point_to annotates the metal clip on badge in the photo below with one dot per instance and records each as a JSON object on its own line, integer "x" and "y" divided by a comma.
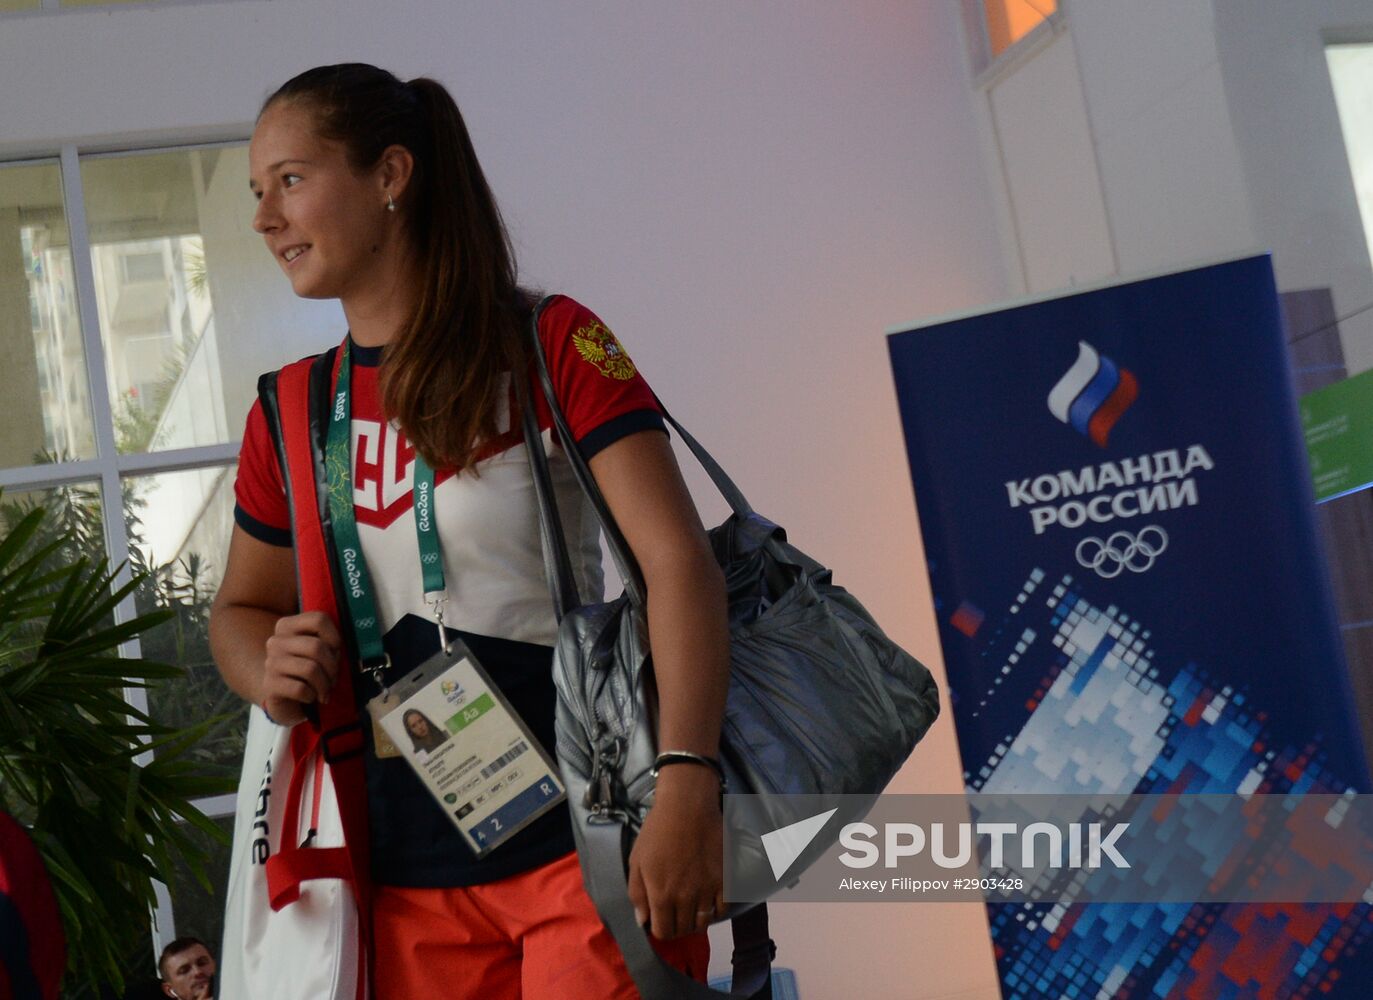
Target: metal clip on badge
{"x": 437, "y": 601}
{"x": 377, "y": 669}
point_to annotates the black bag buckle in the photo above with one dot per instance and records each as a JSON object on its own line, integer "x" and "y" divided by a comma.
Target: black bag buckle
{"x": 332, "y": 753}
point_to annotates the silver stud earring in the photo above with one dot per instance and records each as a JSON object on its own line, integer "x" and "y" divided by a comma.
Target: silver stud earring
{"x": 390, "y": 203}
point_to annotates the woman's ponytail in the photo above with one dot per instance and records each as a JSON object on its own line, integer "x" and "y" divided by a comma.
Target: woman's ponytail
{"x": 442, "y": 377}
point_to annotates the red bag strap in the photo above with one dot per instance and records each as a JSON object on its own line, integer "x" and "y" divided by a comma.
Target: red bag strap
{"x": 304, "y": 743}
{"x": 339, "y": 733}
{"x": 293, "y": 864}
{"x": 305, "y": 747}
{"x": 287, "y": 869}
{"x": 318, "y": 786}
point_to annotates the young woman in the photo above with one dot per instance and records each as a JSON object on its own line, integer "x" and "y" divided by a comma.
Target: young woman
{"x": 369, "y": 192}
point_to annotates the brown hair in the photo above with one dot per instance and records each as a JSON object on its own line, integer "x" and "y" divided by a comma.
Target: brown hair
{"x": 176, "y": 948}
{"x": 433, "y": 738}
{"x": 442, "y": 377}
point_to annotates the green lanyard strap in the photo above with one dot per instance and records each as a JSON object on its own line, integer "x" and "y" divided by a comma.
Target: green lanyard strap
{"x": 357, "y": 581}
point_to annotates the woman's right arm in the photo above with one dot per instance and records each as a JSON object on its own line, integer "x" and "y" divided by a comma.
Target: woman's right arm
{"x": 266, "y": 652}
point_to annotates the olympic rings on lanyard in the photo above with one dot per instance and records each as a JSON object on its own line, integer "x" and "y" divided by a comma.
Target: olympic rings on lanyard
{"x": 1122, "y": 551}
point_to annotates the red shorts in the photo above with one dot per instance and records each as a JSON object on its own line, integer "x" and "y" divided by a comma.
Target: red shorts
{"x": 533, "y": 936}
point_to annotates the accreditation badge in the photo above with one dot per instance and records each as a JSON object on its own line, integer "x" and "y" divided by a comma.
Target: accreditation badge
{"x": 471, "y": 750}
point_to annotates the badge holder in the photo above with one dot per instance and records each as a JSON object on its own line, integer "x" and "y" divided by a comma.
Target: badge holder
{"x": 472, "y": 751}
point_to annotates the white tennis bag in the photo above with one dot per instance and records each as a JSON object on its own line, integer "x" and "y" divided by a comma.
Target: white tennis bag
{"x": 309, "y": 947}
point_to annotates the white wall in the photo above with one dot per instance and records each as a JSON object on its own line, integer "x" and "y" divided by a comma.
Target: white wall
{"x": 748, "y": 193}
{"x": 1170, "y": 168}
{"x": 1287, "y": 129}
{"x": 1040, "y": 121}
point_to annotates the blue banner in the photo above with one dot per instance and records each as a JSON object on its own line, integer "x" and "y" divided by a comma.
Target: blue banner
{"x": 1119, "y": 528}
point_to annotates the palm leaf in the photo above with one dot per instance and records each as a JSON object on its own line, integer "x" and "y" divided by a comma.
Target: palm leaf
{"x": 106, "y": 788}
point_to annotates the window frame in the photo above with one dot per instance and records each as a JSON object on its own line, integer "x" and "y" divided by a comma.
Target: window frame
{"x": 49, "y": 7}
{"x": 986, "y": 69}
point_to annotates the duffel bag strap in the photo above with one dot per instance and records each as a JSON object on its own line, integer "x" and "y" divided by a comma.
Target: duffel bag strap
{"x": 603, "y": 869}
{"x": 562, "y": 583}
{"x": 620, "y": 552}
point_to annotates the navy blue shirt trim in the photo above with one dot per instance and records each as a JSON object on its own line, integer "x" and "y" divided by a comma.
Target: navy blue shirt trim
{"x": 364, "y": 357}
{"x": 615, "y": 428}
{"x": 262, "y": 532}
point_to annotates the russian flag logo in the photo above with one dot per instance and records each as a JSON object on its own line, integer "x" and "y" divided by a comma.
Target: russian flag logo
{"x": 1093, "y": 395}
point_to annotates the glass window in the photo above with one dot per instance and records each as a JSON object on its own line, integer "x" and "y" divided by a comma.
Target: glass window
{"x": 1008, "y": 21}
{"x": 179, "y": 525}
{"x": 191, "y": 304}
{"x": 1351, "y": 74}
{"x": 198, "y": 913}
{"x": 47, "y": 404}
{"x": 73, "y": 517}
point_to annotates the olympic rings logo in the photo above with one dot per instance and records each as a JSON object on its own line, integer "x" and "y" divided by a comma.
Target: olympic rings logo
{"x": 1123, "y": 551}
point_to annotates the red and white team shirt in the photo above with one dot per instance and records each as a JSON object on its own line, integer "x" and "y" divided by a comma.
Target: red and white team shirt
{"x": 488, "y": 525}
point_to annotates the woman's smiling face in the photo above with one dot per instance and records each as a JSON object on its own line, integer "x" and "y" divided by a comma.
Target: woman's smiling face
{"x": 319, "y": 217}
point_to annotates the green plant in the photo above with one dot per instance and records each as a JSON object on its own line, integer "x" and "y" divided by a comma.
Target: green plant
{"x": 197, "y": 273}
{"x": 136, "y": 419}
{"x": 185, "y": 587}
{"x": 134, "y": 423}
{"x": 106, "y": 790}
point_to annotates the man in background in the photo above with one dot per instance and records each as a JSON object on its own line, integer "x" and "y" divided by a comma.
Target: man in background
{"x": 188, "y": 970}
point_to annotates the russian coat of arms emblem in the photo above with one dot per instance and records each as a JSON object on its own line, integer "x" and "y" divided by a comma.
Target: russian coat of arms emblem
{"x": 598, "y": 346}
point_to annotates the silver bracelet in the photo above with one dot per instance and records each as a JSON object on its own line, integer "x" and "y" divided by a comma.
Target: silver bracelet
{"x": 687, "y": 757}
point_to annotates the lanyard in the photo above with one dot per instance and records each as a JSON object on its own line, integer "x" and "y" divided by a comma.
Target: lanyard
{"x": 357, "y": 581}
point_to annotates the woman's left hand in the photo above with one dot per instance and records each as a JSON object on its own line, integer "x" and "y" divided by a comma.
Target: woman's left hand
{"x": 676, "y": 868}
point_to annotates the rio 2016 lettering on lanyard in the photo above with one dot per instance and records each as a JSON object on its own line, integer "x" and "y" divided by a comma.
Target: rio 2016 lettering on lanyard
{"x": 338, "y": 462}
